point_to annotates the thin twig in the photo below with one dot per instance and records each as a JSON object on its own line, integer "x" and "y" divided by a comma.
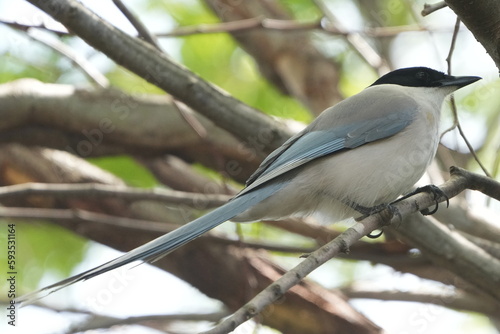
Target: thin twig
{"x": 496, "y": 163}
{"x": 283, "y": 26}
{"x": 459, "y": 300}
{"x": 192, "y": 121}
{"x": 95, "y": 190}
{"x": 360, "y": 45}
{"x": 100, "y": 322}
{"x": 242, "y": 25}
{"x": 429, "y": 9}
{"x": 448, "y": 62}
{"x": 96, "y": 321}
{"x": 68, "y": 215}
{"x": 464, "y": 137}
{"x": 449, "y": 129}
{"x": 138, "y": 25}
{"x": 88, "y": 69}
{"x": 248, "y": 25}
{"x": 26, "y": 27}
{"x": 456, "y": 121}
{"x": 453, "y": 43}
{"x": 202, "y": 132}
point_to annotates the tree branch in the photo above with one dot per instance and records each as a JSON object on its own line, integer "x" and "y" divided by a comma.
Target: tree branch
{"x": 95, "y": 321}
{"x": 429, "y": 9}
{"x": 81, "y": 62}
{"x": 84, "y": 216}
{"x": 357, "y": 42}
{"x": 153, "y": 321}
{"x": 484, "y": 269}
{"x": 88, "y": 122}
{"x": 483, "y": 20}
{"x": 41, "y": 26}
{"x": 290, "y": 61}
{"x": 96, "y": 190}
{"x": 138, "y": 25}
{"x": 259, "y": 22}
{"x": 155, "y": 67}
{"x": 376, "y": 253}
{"x": 265, "y": 23}
{"x": 458, "y": 300}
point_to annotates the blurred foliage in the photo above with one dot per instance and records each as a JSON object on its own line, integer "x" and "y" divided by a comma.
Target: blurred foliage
{"x": 185, "y": 12}
{"x": 266, "y": 233}
{"x": 41, "y": 249}
{"x": 395, "y": 12}
{"x": 127, "y": 169}
{"x": 12, "y": 67}
{"x": 302, "y": 10}
{"x": 217, "y": 58}
{"x": 130, "y": 83}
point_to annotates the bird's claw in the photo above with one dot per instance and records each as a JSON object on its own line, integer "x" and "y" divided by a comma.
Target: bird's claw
{"x": 432, "y": 189}
{"x": 371, "y": 235}
{"x": 437, "y": 194}
{"x": 376, "y": 209}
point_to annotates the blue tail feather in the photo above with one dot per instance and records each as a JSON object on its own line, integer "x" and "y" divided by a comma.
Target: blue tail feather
{"x": 167, "y": 243}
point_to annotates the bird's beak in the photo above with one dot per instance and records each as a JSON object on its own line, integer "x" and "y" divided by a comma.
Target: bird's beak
{"x": 458, "y": 81}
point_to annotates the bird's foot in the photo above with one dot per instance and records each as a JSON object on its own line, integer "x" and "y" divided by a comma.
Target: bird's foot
{"x": 368, "y": 211}
{"x": 432, "y": 189}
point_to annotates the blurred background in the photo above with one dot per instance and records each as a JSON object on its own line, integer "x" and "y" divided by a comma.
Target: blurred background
{"x": 98, "y": 122}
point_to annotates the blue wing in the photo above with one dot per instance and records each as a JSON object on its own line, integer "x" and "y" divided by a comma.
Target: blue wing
{"x": 307, "y": 146}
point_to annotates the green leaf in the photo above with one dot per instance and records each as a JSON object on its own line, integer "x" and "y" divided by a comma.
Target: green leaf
{"x": 127, "y": 169}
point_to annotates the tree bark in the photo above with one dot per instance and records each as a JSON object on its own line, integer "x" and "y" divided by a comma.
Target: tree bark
{"x": 482, "y": 17}
{"x": 258, "y": 131}
{"x": 103, "y": 122}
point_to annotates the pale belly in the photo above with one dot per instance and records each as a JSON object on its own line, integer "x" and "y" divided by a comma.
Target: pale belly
{"x": 372, "y": 174}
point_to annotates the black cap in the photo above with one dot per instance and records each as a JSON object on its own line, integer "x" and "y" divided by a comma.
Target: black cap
{"x": 423, "y": 77}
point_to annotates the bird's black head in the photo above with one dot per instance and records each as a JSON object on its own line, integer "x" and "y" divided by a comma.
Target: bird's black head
{"x": 423, "y": 77}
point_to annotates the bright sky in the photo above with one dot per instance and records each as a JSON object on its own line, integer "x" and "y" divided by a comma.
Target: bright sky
{"x": 145, "y": 290}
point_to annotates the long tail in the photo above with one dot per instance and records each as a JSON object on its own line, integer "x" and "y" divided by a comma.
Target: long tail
{"x": 167, "y": 243}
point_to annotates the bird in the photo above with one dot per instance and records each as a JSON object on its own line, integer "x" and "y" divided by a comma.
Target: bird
{"x": 363, "y": 152}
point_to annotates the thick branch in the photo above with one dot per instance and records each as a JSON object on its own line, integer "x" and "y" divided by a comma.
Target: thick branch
{"x": 482, "y": 17}
{"x": 254, "y": 128}
{"x": 89, "y": 122}
{"x": 448, "y": 248}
